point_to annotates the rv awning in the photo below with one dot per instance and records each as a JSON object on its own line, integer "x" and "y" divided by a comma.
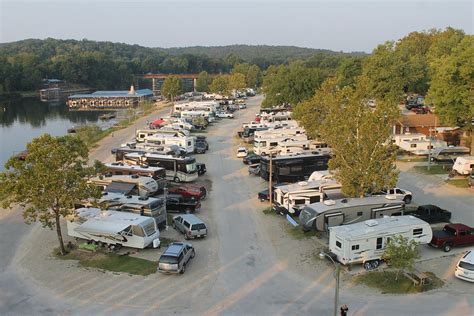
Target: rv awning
{"x": 120, "y": 187}
{"x": 99, "y": 227}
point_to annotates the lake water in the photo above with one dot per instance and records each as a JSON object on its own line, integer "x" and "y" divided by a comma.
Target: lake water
{"x": 21, "y": 120}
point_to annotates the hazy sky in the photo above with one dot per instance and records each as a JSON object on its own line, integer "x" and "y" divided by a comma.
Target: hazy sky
{"x": 336, "y": 25}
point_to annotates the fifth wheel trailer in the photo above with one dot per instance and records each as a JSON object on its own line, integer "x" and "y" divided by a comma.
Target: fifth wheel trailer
{"x": 365, "y": 242}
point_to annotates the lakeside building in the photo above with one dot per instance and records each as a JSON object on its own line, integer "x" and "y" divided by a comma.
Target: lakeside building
{"x": 107, "y": 100}
{"x": 55, "y": 89}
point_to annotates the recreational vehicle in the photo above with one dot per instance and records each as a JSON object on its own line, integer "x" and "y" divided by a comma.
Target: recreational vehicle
{"x": 120, "y": 168}
{"x": 291, "y": 198}
{"x": 148, "y": 148}
{"x": 186, "y": 142}
{"x": 365, "y": 242}
{"x": 321, "y": 216}
{"x": 279, "y": 132}
{"x": 449, "y": 154}
{"x": 293, "y": 168}
{"x": 263, "y": 146}
{"x": 114, "y": 228}
{"x": 146, "y": 185}
{"x": 399, "y": 138}
{"x": 178, "y": 169}
{"x": 464, "y": 165}
{"x": 142, "y": 134}
{"x": 207, "y": 106}
{"x": 421, "y": 147}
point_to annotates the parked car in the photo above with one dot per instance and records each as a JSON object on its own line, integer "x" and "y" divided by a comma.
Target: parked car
{"x": 201, "y": 168}
{"x": 430, "y": 213}
{"x": 401, "y": 194}
{"x": 189, "y": 190}
{"x": 465, "y": 267}
{"x": 200, "y": 148}
{"x": 190, "y": 225}
{"x": 263, "y": 195}
{"x": 224, "y": 115}
{"x": 241, "y": 152}
{"x": 202, "y": 139}
{"x": 176, "y": 203}
{"x": 453, "y": 235}
{"x": 175, "y": 258}
{"x": 251, "y": 159}
{"x": 242, "y": 106}
{"x": 254, "y": 169}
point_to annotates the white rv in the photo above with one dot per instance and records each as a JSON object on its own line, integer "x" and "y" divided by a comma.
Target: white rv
{"x": 280, "y": 132}
{"x": 208, "y": 106}
{"x": 291, "y": 198}
{"x": 321, "y": 216}
{"x": 464, "y": 165}
{"x": 421, "y": 147}
{"x": 263, "y": 146}
{"x": 146, "y": 185}
{"x": 114, "y": 228}
{"x": 166, "y": 139}
{"x": 142, "y": 134}
{"x": 291, "y": 146}
{"x": 399, "y": 138}
{"x": 365, "y": 242}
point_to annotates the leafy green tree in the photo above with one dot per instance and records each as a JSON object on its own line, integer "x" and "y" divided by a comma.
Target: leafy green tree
{"x": 171, "y": 88}
{"x": 348, "y": 71}
{"x": 236, "y": 82}
{"x": 203, "y": 81}
{"x": 52, "y": 177}
{"x": 362, "y": 161}
{"x": 400, "y": 254}
{"x": 252, "y": 74}
{"x": 220, "y": 85}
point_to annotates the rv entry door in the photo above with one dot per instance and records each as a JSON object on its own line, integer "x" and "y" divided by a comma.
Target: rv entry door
{"x": 334, "y": 219}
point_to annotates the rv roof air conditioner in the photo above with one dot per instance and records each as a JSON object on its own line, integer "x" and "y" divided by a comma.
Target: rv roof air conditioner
{"x": 303, "y": 183}
{"x": 371, "y": 223}
{"x": 329, "y": 202}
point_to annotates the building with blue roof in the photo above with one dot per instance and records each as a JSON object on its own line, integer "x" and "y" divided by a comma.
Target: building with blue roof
{"x": 107, "y": 100}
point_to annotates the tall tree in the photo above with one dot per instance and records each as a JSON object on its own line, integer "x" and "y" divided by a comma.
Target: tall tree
{"x": 171, "y": 88}
{"x": 203, "y": 81}
{"x": 401, "y": 253}
{"x": 49, "y": 180}
{"x": 252, "y": 74}
{"x": 362, "y": 161}
{"x": 236, "y": 82}
{"x": 220, "y": 85}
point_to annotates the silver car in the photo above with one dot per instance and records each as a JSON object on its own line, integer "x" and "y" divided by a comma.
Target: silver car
{"x": 190, "y": 225}
{"x": 176, "y": 257}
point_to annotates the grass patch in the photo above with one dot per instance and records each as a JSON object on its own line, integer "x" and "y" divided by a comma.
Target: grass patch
{"x": 269, "y": 211}
{"x": 434, "y": 169}
{"x": 91, "y": 134}
{"x": 297, "y": 233}
{"x": 110, "y": 262}
{"x": 385, "y": 282}
{"x": 460, "y": 183}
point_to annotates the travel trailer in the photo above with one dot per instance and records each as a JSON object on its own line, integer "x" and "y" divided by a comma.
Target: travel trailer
{"x": 279, "y": 132}
{"x": 146, "y": 185}
{"x": 120, "y": 168}
{"x": 421, "y": 147}
{"x": 208, "y": 106}
{"x": 293, "y": 168}
{"x": 449, "y": 154}
{"x": 464, "y": 165}
{"x": 399, "y": 138}
{"x": 291, "y": 198}
{"x": 263, "y": 146}
{"x": 114, "y": 228}
{"x": 142, "y": 134}
{"x": 321, "y": 216}
{"x": 186, "y": 142}
{"x": 178, "y": 169}
{"x": 365, "y": 242}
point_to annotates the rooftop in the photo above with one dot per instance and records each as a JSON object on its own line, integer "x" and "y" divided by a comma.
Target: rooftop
{"x": 114, "y": 94}
{"x": 425, "y": 120}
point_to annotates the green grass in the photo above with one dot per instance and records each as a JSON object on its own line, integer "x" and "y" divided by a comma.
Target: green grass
{"x": 460, "y": 183}
{"x": 434, "y": 169}
{"x": 269, "y": 211}
{"x": 110, "y": 262}
{"x": 385, "y": 282}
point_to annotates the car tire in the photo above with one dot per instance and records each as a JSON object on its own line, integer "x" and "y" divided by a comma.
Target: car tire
{"x": 183, "y": 269}
{"x": 407, "y": 199}
{"x": 193, "y": 254}
{"x": 447, "y": 247}
{"x": 177, "y": 180}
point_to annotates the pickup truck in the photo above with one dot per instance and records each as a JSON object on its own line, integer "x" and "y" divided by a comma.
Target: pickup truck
{"x": 453, "y": 235}
{"x": 178, "y": 204}
{"x": 430, "y": 214}
{"x": 189, "y": 191}
{"x": 401, "y": 194}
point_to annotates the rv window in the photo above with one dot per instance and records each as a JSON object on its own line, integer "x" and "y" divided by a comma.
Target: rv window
{"x": 417, "y": 231}
{"x": 355, "y": 247}
{"x": 314, "y": 199}
{"x": 360, "y": 213}
{"x": 296, "y": 168}
{"x": 284, "y": 170}
{"x": 379, "y": 243}
{"x": 338, "y": 244}
{"x": 413, "y": 145}
{"x": 299, "y": 201}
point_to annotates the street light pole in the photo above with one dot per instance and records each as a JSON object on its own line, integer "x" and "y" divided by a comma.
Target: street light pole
{"x": 270, "y": 178}
{"x": 337, "y": 272}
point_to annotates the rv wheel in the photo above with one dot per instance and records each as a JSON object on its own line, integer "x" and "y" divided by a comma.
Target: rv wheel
{"x": 367, "y": 266}
{"x": 375, "y": 264}
{"x": 176, "y": 179}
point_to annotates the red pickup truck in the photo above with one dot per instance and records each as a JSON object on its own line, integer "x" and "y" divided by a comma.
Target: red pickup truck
{"x": 453, "y": 235}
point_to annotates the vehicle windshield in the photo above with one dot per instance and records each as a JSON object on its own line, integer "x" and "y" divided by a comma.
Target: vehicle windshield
{"x": 466, "y": 265}
{"x": 169, "y": 259}
{"x": 191, "y": 167}
{"x": 450, "y": 231}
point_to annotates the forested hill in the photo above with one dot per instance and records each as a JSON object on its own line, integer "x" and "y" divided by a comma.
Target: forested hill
{"x": 107, "y": 65}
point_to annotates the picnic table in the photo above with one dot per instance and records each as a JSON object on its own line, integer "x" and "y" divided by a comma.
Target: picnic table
{"x": 418, "y": 278}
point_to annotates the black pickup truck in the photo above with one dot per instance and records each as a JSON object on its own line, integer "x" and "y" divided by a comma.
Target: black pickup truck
{"x": 430, "y": 214}
{"x": 176, "y": 203}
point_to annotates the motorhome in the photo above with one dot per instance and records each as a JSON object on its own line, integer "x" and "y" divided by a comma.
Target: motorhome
{"x": 321, "y": 216}
{"x": 399, "y": 138}
{"x": 291, "y": 146}
{"x": 142, "y": 134}
{"x": 186, "y": 142}
{"x": 248, "y": 134}
{"x": 275, "y": 117}
{"x": 209, "y": 116}
{"x": 293, "y": 168}
{"x": 208, "y": 106}
{"x": 365, "y": 242}
{"x": 464, "y": 165}
{"x": 263, "y": 146}
{"x": 114, "y": 228}
{"x": 279, "y": 132}
{"x": 150, "y": 206}
{"x": 146, "y": 185}
{"x": 421, "y": 147}
{"x": 120, "y": 168}
{"x": 178, "y": 169}
{"x": 449, "y": 154}
{"x": 146, "y": 148}
{"x": 291, "y": 198}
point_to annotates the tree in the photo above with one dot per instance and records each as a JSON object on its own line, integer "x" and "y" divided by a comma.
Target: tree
{"x": 362, "y": 161}
{"x": 220, "y": 85}
{"x": 49, "y": 180}
{"x": 172, "y": 87}
{"x": 203, "y": 81}
{"x": 252, "y": 74}
{"x": 236, "y": 82}
{"x": 400, "y": 253}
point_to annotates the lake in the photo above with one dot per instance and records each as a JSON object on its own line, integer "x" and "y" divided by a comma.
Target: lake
{"x": 23, "y": 119}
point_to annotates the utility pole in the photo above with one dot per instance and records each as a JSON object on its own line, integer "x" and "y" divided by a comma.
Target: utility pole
{"x": 270, "y": 193}
{"x": 429, "y": 152}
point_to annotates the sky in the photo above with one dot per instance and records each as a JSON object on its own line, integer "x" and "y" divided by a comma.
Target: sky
{"x": 339, "y": 25}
